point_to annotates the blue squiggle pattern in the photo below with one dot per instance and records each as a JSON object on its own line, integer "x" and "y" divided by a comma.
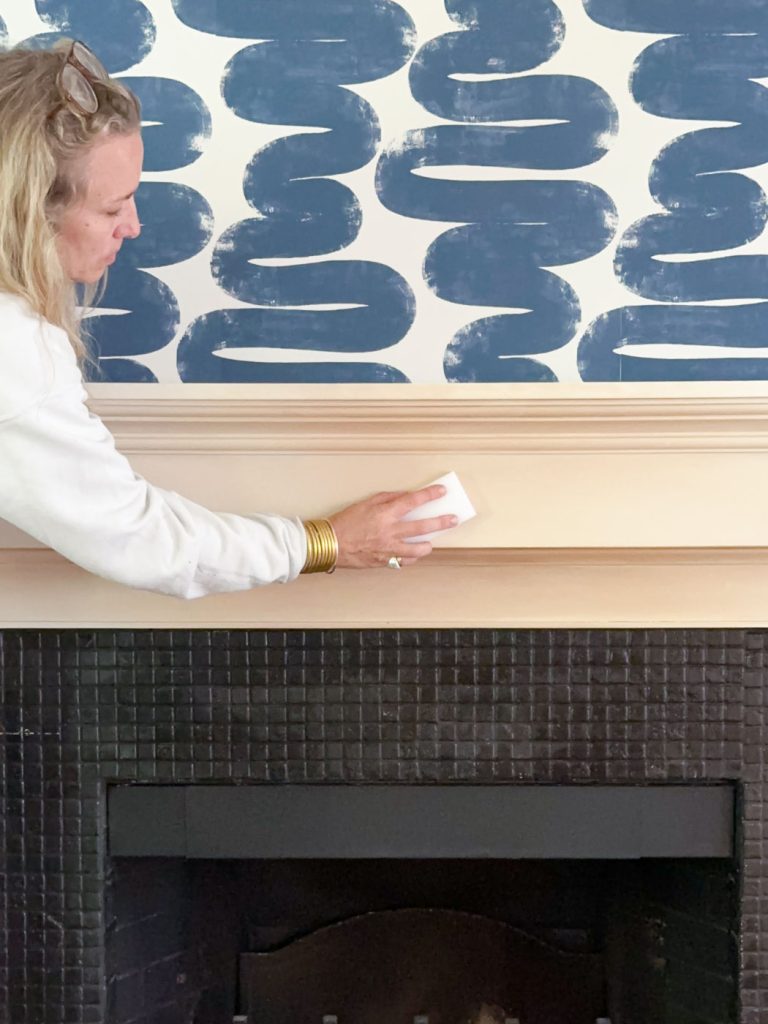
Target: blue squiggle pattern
{"x": 378, "y": 27}
{"x": 96, "y": 22}
{"x": 178, "y": 225}
{"x": 517, "y": 227}
{"x": 183, "y": 123}
{"x": 702, "y": 74}
{"x": 679, "y": 18}
{"x": 325, "y": 318}
{"x": 297, "y": 77}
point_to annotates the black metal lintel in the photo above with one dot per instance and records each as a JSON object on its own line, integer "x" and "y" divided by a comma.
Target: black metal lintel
{"x": 421, "y": 821}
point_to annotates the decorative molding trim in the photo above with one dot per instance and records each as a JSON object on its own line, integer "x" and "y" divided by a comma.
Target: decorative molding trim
{"x": 474, "y": 418}
{"x": 498, "y": 558}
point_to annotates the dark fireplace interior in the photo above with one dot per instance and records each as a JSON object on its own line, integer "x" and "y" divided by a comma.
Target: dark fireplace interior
{"x": 634, "y": 942}
{"x": 194, "y": 932}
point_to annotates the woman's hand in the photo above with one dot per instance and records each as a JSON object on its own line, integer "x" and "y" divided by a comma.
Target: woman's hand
{"x": 371, "y": 532}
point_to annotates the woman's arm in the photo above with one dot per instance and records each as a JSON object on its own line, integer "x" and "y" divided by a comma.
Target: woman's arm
{"x": 64, "y": 483}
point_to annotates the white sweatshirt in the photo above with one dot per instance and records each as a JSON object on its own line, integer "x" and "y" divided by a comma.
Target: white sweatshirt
{"x": 63, "y": 482}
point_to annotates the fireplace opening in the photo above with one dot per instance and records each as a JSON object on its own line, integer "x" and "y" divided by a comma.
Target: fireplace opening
{"x": 367, "y": 904}
{"x": 303, "y": 941}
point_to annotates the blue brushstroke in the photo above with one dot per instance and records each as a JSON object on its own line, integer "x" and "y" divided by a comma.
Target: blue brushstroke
{"x": 380, "y": 29}
{"x": 600, "y": 350}
{"x": 679, "y": 17}
{"x": 298, "y": 76}
{"x": 368, "y": 286}
{"x": 512, "y": 229}
{"x": 122, "y": 371}
{"x": 703, "y": 74}
{"x": 184, "y": 123}
{"x": 493, "y": 38}
{"x": 178, "y": 224}
{"x": 149, "y": 323}
{"x": 226, "y": 330}
{"x": 121, "y": 32}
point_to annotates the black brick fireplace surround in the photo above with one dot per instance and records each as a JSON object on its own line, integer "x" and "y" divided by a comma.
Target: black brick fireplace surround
{"x": 81, "y": 710}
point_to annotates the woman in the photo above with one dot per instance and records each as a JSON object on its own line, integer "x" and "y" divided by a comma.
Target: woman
{"x": 70, "y": 163}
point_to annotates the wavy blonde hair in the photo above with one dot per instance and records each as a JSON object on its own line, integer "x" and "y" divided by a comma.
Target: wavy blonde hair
{"x": 43, "y": 142}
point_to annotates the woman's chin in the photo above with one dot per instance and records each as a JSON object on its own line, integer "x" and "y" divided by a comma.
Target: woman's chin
{"x": 90, "y": 277}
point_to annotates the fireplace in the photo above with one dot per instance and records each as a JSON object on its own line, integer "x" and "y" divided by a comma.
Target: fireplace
{"x": 95, "y": 933}
{"x": 386, "y": 940}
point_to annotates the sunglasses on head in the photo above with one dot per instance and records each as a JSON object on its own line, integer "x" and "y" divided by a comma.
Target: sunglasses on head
{"x": 78, "y": 73}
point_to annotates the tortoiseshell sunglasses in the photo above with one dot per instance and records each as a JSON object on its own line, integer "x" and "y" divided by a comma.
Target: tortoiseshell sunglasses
{"x": 81, "y": 68}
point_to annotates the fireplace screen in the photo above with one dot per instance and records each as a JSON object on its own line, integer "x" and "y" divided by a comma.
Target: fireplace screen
{"x": 421, "y": 942}
{"x": 440, "y": 966}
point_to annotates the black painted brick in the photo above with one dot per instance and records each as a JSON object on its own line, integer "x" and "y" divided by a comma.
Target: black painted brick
{"x": 81, "y": 708}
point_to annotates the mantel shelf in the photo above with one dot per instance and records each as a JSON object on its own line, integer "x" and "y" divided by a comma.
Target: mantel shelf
{"x": 598, "y": 505}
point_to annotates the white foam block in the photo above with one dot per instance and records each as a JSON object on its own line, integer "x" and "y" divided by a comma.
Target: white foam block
{"x": 455, "y": 502}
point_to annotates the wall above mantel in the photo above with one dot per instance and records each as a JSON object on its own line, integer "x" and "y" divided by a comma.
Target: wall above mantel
{"x": 598, "y": 505}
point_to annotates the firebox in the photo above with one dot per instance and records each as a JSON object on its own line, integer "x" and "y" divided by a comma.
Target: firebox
{"x": 359, "y": 826}
{"x": 556, "y": 905}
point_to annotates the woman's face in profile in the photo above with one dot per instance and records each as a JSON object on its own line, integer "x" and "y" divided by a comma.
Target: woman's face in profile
{"x": 92, "y": 230}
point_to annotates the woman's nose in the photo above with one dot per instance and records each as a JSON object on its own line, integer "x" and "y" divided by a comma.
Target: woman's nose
{"x": 130, "y": 227}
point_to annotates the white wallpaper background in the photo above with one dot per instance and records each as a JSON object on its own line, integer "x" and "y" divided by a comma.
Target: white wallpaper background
{"x": 524, "y": 190}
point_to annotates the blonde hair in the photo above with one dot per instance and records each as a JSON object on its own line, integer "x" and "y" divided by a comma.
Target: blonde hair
{"x": 42, "y": 142}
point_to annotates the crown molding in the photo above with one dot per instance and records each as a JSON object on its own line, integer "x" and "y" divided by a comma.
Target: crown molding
{"x": 448, "y": 418}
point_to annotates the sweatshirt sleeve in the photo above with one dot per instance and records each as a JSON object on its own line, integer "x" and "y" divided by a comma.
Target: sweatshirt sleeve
{"x": 63, "y": 482}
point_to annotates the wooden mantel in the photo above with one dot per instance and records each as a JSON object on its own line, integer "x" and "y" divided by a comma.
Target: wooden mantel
{"x": 599, "y": 505}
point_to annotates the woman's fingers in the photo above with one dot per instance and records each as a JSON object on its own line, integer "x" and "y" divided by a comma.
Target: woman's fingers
{"x": 411, "y": 552}
{"x": 418, "y": 527}
{"x": 405, "y": 503}
{"x": 384, "y": 496}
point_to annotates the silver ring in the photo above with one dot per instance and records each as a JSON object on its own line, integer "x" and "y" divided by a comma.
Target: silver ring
{"x": 395, "y": 563}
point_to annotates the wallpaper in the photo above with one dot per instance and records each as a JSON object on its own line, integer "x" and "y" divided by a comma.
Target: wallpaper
{"x": 436, "y": 190}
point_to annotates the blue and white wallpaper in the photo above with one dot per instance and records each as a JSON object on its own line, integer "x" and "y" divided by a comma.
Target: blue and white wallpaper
{"x": 436, "y": 190}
